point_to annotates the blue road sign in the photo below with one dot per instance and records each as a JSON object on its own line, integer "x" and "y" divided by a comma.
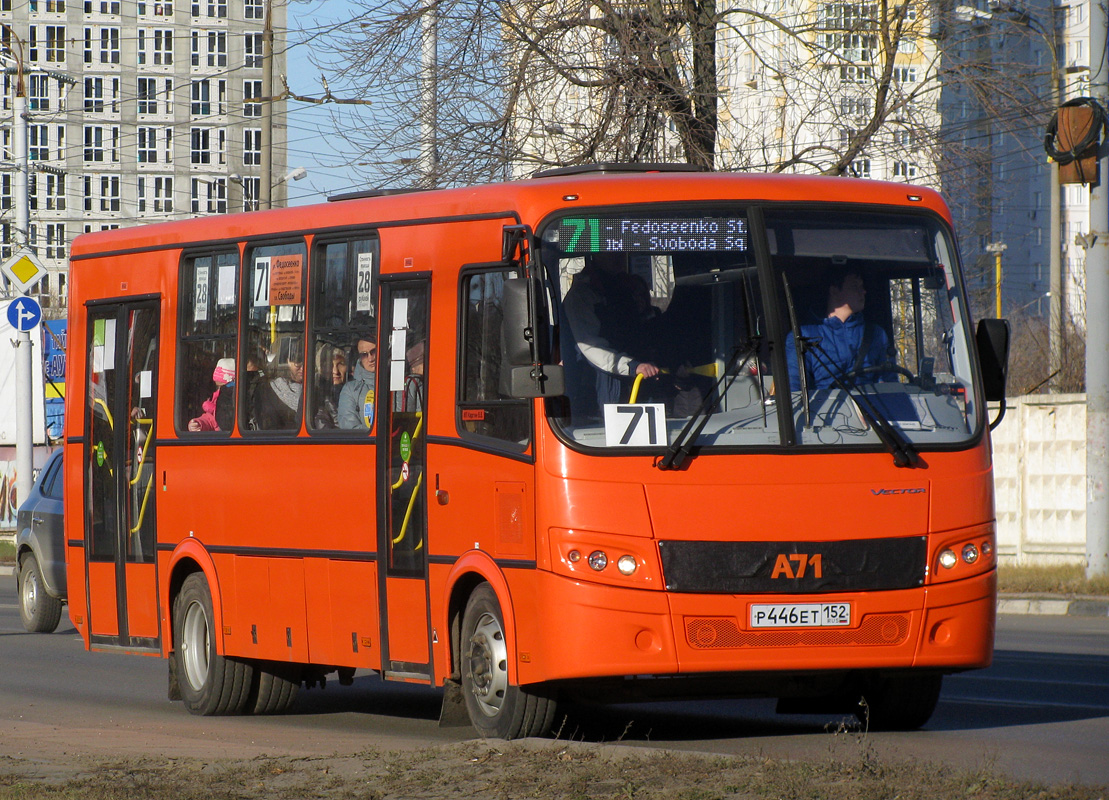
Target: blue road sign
{"x": 24, "y": 313}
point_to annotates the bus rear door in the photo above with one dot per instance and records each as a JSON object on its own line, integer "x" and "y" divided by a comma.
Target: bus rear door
{"x": 119, "y": 471}
{"x": 402, "y": 448}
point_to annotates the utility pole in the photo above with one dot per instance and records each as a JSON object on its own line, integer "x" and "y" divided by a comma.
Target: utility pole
{"x": 429, "y": 101}
{"x": 24, "y": 421}
{"x": 1055, "y": 255}
{"x": 1097, "y": 322}
{"x": 266, "y": 189}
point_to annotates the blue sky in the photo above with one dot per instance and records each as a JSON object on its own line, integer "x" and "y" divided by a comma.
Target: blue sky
{"x": 313, "y": 141}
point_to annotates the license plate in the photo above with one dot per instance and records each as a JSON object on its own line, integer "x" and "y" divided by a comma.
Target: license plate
{"x": 800, "y": 615}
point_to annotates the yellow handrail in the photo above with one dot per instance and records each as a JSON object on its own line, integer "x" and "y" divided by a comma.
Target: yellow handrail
{"x": 635, "y": 388}
{"x": 145, "y": 447}
{"x": 711, "y": 370}
{"x": 142, "y": 508}
{"x": 408, "y": 512}
{"x": 107, "y": 411}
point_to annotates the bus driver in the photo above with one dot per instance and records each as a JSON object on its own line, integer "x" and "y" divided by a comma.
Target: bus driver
{"x": 844, "y": 343}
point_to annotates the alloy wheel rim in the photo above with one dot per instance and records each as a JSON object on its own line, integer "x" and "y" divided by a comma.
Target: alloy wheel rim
{"x": 195, "y": 645}
{"x": 488, "y": 664}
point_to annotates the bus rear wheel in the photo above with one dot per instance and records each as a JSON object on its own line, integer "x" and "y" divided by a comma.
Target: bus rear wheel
{"x": 899, "y": 702}
{"x": 275, "y": 687}
{"x": 497, "y": 708}
{"x": 210, "y": 684}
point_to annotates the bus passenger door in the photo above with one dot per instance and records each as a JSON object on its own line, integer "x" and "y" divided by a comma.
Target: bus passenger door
{"x": 119, "y": 471}
{"x": 402, "y": 448}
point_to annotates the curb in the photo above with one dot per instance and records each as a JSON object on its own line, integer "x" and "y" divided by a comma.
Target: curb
{"x": 1053, "y": 606}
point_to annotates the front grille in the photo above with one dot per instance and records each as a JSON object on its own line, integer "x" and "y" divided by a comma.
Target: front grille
{"x": 794, "y": 567}
{"x": 722, "y": 633}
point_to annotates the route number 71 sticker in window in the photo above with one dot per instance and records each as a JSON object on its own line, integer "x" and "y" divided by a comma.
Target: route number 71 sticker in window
{"x": 635, "y": 425}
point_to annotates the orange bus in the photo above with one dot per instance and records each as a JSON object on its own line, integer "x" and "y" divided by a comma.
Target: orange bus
{"x": 539, "y": 440}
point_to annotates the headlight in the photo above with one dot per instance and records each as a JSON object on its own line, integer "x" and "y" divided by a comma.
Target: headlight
{"x": 948, "y": 559}
{"x": 626, "y": 565}
{"x": 598, "y": 560}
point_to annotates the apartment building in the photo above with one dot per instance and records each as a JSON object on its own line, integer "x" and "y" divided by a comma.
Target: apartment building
{"x": 137, "y": 111}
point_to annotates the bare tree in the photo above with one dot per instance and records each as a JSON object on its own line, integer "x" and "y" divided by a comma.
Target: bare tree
{"x": 768, "y": 86}
{"x": 924, "y": 91}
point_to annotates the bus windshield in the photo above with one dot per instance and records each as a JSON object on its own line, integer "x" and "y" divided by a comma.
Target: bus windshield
{"x": 850, "y": 330}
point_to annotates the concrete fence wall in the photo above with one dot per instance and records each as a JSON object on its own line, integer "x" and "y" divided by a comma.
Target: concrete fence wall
{"x": 1040, "y": 480}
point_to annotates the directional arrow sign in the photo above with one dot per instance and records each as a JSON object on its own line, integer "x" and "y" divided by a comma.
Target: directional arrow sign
{"x": 24, "y": 270}
{"x": 24, "y": 313}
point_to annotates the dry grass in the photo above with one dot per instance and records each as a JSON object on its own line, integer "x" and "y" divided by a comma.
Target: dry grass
{"x": 548, "y": 770}
{"x": 1061, "y": 579}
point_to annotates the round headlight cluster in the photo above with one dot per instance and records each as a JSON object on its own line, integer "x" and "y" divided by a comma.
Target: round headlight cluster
{"x": 598, "y": 561}
{"x": 970, "y": 554}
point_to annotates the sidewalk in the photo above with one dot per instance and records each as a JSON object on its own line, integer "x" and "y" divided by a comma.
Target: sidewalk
{"x": 1053, "y": 605}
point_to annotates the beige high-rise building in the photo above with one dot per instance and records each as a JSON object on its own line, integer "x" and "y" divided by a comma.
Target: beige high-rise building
{"x": 137, "y": 111}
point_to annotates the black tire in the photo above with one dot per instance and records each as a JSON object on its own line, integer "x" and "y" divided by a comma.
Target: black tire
{"x": 210, "y": 684}
{"x": 899, "y": 702}
{"x": 41, "y": 612}
{"x": 274, "y": 688}
{"x": 498, "y": 709}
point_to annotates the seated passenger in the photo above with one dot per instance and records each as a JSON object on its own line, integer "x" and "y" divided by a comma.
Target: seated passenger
{"x": 356, "y": 400}
{"x": 331, "y": 375}
{"x": 844, "y": 344}
{"x": 223, "y": 375}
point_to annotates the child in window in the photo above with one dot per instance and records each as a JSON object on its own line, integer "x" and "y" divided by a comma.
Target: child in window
{"x": 223, "y": 374}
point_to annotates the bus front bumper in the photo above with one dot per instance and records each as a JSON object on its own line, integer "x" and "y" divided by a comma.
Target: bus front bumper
{"x": 589, "y": 630}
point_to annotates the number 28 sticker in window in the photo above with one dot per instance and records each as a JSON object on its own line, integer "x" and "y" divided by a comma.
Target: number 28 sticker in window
{"x": 635, "y": 425}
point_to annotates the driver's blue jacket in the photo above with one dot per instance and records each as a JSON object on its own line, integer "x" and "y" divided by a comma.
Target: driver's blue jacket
{"x": 838, "y": 346}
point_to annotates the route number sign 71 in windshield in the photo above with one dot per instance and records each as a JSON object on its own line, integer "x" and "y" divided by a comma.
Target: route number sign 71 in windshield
{"x": 635, "y": 425}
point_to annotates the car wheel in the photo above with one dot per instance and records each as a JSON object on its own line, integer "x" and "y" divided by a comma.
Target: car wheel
{"x": 497, "y": 708}
{"x": 209, "y": 683}
{"x": 41, "y": 611}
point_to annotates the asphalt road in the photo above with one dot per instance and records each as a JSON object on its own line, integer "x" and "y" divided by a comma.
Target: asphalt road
{"x": 1040, "y": 712}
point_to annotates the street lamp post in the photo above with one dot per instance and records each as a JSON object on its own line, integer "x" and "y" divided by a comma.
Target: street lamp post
{"x": 997, "y": 248}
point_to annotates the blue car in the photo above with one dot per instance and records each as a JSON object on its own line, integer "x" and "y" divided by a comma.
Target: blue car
{"x": 40, "y": 551}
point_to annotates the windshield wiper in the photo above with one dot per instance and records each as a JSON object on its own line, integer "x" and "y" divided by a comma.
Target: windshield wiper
{"x": 902, "y": 450}
{"x": 679, "y": 449}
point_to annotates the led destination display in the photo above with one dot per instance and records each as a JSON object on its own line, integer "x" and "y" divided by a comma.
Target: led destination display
{"x": 651, "y": 235}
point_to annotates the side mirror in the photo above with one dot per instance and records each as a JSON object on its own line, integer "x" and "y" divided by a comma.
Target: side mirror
{"x": 524, "y": 341}
{"x": 992, "y": 339}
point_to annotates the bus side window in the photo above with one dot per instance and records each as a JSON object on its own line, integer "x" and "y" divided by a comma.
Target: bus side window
{"x": 275, "y": 326}
{"x": 207, "y": 339}
{"x": 343, "y": 336}
{"x": 484, "y": 406}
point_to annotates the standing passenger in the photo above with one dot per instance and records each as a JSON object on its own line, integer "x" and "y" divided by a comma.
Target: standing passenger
{"x": 278, "y": 400}
{"x": 604, "y": 326}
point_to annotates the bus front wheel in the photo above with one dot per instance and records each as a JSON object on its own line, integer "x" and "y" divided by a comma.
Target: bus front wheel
{"x": 497, "y": 708}
{"x": 899, "y": 702}
{"x": 210, "y": 684}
